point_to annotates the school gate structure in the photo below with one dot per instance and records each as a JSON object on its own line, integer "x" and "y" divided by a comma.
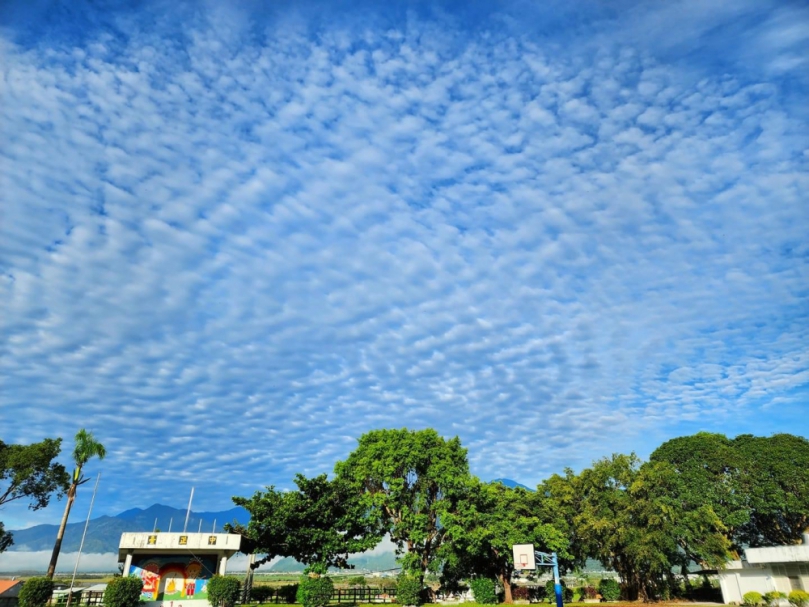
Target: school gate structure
{"x": 175, "y": 567}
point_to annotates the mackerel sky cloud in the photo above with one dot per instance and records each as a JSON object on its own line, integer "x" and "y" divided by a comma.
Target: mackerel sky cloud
{"x": 234, "y": 239}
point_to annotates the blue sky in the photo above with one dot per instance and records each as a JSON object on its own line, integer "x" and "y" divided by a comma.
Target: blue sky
{"x": 234, "y": 238}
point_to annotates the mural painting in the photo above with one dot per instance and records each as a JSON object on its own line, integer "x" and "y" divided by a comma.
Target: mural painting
{"x": 173, "y": 578}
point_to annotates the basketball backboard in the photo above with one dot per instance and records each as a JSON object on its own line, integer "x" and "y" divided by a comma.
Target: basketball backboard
{"x": 524, "y": 557}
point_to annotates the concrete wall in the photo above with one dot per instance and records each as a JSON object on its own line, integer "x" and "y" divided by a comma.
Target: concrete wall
{"x": 738, "y": 579}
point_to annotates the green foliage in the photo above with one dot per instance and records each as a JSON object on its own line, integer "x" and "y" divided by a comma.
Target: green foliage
{"x": 223, "y": 590}
{"x": 609, "y": 589}
{"x": 408, "y": 480}
{"x": 777, "y": 487}
{"x": 356, "y": 580}
{"x": 408, "y": 590}
{"x": 36, "y": 592}
{"x": 488, "y": 520}
{"x": 319, "y": 524}
{"x": 484, "y": 590}
{"x": 752, "y": 598}
{"x": 772, "y": 598}
{"x": 123, "y": 592}
{"x": 260, "y": 594}
{"x": 799, "y": 598}
{"x": 287, "y": 593}
{"x": 314, "y": 590}
{"x": 28, "y": 472}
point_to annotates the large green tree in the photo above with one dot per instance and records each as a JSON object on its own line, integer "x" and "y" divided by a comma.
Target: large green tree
{"x": 85, "y": 448}
{"x": 777, "y": 485}
{"x": 28, "y": 472}
{"x": 485, "y": 525}
{"x": 319, "y": 525}
{"x": 634, "y": 519}
{"x": 408, "y": 480}
{"x": 712, "y": 471}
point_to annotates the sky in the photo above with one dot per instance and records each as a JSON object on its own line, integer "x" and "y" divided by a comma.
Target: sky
{"x": 236, "y": 236}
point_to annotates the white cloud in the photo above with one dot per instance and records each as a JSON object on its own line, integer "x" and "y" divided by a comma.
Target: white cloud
{"x": 230, "y": 259}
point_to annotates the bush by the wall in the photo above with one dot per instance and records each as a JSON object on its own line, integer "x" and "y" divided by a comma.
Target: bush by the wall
{"x": 36, "y": 592}
{"x": 589, "y": 592}
{"x": 609, "y": 589}
{"x": 315, "y": 591}
{"x": 752, "y": 598}
{"x": 484, "y": 590}
{"x": 223, "y": 590}
{"x": 259, "y": 594}
{"x": 799, "y": 598}
{"x": 520, "y": 593}
{"x": 408, "y": 590}
{"x": 772, "y": 598}
{"x": 123, "y": 592}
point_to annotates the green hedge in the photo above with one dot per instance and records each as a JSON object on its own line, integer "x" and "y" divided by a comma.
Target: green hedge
{"x": 408, "y": 591}
{"x": 36, "y": 592}
{"x": 315, "y": 591}
{"x": 609, "y": 589}
{"x": 484, "y": 590}
{"x": 223, "y": 590}
{"x": 123, "y": 592}
{"x": 752, "y": 598}
{"x": 799, "y": 598}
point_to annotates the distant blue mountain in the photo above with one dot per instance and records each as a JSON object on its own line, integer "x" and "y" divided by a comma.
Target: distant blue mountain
{"x": 104, "y": 532}
{"x": 510, "y": 483}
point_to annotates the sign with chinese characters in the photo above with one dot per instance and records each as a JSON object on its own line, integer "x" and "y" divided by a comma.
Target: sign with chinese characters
{"x": 212, "y": 540}
{"x": 183, "y": 540}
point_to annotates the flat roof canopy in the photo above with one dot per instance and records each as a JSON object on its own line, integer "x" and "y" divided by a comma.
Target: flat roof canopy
{"x": 225, "y": 544}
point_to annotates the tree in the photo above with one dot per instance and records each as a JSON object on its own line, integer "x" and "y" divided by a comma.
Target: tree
{"x": 85, "y": 448}
{"x": 29, "y": 472}
{"x": 712, "y": 471}
{"x": 777, "y": 486}
{"x": 318, "y": 525}
{"x": 485, "y": 525}
{"x": 407, "y": 481}
{"x": 634, "y": 519}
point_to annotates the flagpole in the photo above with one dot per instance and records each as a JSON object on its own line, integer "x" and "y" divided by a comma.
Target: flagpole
{"x": 188, "y": 512}
{"x": 81, "y": 545}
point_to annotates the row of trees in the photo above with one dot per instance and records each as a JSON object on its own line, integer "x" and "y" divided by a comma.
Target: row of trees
{"x": 698, "y": 500}
{"x": 30, "y": 473}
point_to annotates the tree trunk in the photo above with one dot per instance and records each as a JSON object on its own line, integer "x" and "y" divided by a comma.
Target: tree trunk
{"x": 505, "y": 582}
{"x": 71, "y": 496}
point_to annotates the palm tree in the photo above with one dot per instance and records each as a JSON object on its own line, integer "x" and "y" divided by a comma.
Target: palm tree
{"x": 86, "y": 447}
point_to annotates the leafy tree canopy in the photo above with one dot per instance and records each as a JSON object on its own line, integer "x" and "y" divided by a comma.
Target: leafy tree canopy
{"x": 484, "y": 527}
{"x": 408, "y": 480}
{"x": 319, "y": 525}
{"x": 28, "y": 472}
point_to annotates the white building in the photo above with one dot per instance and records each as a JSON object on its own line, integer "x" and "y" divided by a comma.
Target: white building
{"x": 781, "y": 568}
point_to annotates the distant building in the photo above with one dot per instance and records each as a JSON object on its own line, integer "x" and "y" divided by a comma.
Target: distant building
{"x": 778, "y": 568}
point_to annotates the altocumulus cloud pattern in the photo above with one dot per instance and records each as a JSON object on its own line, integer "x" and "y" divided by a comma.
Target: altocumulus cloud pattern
{"x": 233, "y": 241}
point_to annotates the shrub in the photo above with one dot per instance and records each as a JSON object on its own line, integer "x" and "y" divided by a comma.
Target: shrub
{"x": 589, "y": 592}
{"x": 550, "y": 592}
{"x": 123, "y": 592}
{"x": 259, "y": 594}
{"x": 799, "y": 598}
{"x": 773, "y": 597}
{"x": 223, "y": 590}
{"x": 287, "y": 593}
{"x": 315, "y": 591}
{"x": 609, "y": 589}
{"x": 408, "y": 590}
{"x": 36, "y": 592}
{"x": 752, "y": 598}
{"x": 484, "y": 590}
{"x": 520, "y": 593}
{"x": 536, "y": 593}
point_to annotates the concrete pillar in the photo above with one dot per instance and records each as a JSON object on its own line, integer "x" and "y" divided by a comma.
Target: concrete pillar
{"x": 223, "y": 565}
{"x": 127, "y": 564}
